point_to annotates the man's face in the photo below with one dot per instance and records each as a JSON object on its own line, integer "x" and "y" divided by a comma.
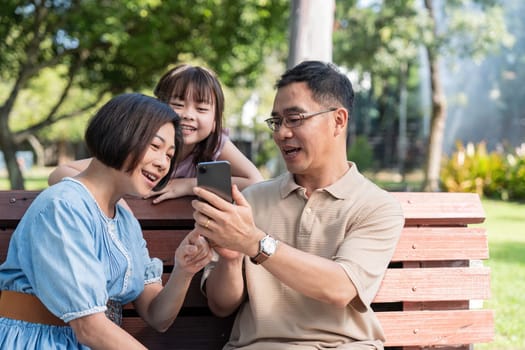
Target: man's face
{"x": 306, "y": 149}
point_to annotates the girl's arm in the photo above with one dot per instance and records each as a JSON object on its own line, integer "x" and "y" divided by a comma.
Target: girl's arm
{"x": 175, "y": 188}
{"x": 244, "y": 172}
{"x": 68, "y": 169}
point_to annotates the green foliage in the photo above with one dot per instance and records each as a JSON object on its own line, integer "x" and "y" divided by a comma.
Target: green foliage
{"x": 383, "y": 43}
{"x": 61, "y": 59}
{"x": 361, "y": 153}
{"x": 498, "y": 174}
{"x": 117, "y": 46}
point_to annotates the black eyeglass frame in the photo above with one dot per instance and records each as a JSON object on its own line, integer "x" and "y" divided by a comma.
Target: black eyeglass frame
{"x": 274, "y": 123}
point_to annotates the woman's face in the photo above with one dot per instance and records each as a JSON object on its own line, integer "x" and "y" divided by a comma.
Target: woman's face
{"x": 197, "y": 118}
{"x": 156, "y": 161}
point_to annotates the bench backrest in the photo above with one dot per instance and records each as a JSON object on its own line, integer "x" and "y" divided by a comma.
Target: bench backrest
{"x": 426, "y": 297}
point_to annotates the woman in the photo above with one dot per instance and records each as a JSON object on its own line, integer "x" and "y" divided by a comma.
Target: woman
{"x": 78, "y": 255}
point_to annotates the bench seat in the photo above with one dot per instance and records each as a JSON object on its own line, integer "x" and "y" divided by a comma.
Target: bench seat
{"x": 427, "y": 299}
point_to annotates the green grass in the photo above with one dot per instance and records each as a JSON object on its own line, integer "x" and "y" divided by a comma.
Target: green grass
{"x": 505, "y": 225}
{"x": 36, "y": 179}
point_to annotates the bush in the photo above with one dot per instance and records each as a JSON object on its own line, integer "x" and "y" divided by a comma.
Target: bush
{"x": 361, "y": 153}
{"x": 499, "y": 174}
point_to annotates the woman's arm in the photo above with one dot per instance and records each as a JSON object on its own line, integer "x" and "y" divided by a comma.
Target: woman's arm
{"x": 244, "y": 172}
{"x": 159, "y": 306}
{"x": 97, "y": 332}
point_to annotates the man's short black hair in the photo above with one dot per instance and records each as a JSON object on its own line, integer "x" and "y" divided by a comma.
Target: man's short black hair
{"x": 325, "y": 80}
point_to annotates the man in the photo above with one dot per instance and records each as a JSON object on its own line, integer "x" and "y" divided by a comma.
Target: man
{"x": 302, "y": 256}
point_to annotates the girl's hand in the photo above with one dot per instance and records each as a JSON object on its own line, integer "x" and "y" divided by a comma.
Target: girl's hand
{"x": 193, "y": 253}
{"x": 174, "y": 189}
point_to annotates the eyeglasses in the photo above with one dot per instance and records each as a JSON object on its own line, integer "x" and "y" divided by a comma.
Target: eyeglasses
{"x": 293, "y": 120}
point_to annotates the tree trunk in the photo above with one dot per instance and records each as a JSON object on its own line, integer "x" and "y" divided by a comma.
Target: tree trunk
{"x": 7, "y": 145}
{"x": 403, "y": 111}
{"x": 38, "y": 149}
{"x": 311, "y": 28}
{"x": 438, "y": 116}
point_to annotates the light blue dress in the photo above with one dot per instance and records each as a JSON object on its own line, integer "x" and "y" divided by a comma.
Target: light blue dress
{"x": 73, "y": 258}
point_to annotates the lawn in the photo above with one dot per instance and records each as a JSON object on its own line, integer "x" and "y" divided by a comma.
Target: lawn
{"x": 506, "y": 229}
{"x": 505, "y": 224}
{"x": 36, "y": 179}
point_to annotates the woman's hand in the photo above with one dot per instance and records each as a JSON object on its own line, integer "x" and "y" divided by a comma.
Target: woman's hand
{"x": 193, "y": 253}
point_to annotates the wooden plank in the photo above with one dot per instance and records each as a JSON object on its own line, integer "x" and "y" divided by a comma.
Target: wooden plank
{"x": 175, "y": 214}
{"x": 5, "y": 237}
{"x": 440, "y": 208}
{"x": 416, "y": 328}
{"x": 163, "y": 243}
{"x": 437, "y": 327}
{"x": 435, "y": 305}
{"x": 420, "y": 208}
{"x": 194, "y": 297}
{"x": 442, "y": 243}
{"x": 407, "y": 284}
{"x": 434, "y": 284}
{"x": 13, "y": 205}
{"x": 203, "y": 332}
{"x": 449, "y": 347}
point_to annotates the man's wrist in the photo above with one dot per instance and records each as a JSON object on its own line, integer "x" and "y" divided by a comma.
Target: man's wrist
{"x": 267, "y": 247}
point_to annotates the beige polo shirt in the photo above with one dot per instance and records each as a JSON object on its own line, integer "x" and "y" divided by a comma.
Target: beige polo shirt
{"x": 352, "y": 222}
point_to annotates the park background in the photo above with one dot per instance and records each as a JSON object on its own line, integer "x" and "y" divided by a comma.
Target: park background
{"x": 439, "y": 102}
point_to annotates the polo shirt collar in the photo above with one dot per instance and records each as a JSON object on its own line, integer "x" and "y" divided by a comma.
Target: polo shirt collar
{"x": 340, "y": 189}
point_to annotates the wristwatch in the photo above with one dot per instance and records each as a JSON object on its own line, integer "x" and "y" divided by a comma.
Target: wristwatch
{"x": 267, "y": 246}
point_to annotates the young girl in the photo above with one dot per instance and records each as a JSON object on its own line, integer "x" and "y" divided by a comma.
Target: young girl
{"x": 77, "y": 255}
{"x": 196, "y": 95}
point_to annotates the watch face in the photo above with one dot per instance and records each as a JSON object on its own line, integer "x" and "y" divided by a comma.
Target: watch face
{"x": 268, "y": 245}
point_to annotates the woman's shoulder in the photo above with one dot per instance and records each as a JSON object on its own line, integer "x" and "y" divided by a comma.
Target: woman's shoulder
{"x": 67, "y": 189}
{"x": 67, "y": 194}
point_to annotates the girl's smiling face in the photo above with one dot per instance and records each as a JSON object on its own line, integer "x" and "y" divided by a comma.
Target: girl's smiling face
{"x": 197, "y": 117}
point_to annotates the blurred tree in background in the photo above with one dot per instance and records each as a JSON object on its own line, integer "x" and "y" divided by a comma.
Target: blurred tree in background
{"x": 98, "y": 48}
{"x": 396, "y": 49}
{"x": 424, "y": 71}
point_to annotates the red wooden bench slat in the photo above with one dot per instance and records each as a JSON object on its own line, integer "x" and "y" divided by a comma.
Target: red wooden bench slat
{"x": 437, "y": 327}
{"x": 442, "y": 243}
{"x": 185, "y": 333}
{"x": 5, "y": 236}
{"x": 164, "y": 243}
{"x": 445, "y": 208}
{"x": 434, "y": 284}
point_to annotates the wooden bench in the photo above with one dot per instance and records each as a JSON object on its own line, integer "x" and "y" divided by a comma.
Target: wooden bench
{"x": 424, "y": 302}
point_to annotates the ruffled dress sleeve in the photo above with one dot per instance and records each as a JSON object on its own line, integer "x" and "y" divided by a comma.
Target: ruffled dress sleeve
{"x": 60, "y": 262}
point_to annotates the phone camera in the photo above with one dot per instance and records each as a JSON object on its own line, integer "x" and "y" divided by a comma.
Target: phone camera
{"x": 202, "y": 169}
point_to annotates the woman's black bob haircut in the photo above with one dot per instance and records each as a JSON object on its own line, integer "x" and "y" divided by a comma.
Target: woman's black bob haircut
{"x": 120, "y": 132}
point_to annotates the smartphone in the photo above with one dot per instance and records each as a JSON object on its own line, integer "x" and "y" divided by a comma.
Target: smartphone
{"x": 216, "y": 177}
